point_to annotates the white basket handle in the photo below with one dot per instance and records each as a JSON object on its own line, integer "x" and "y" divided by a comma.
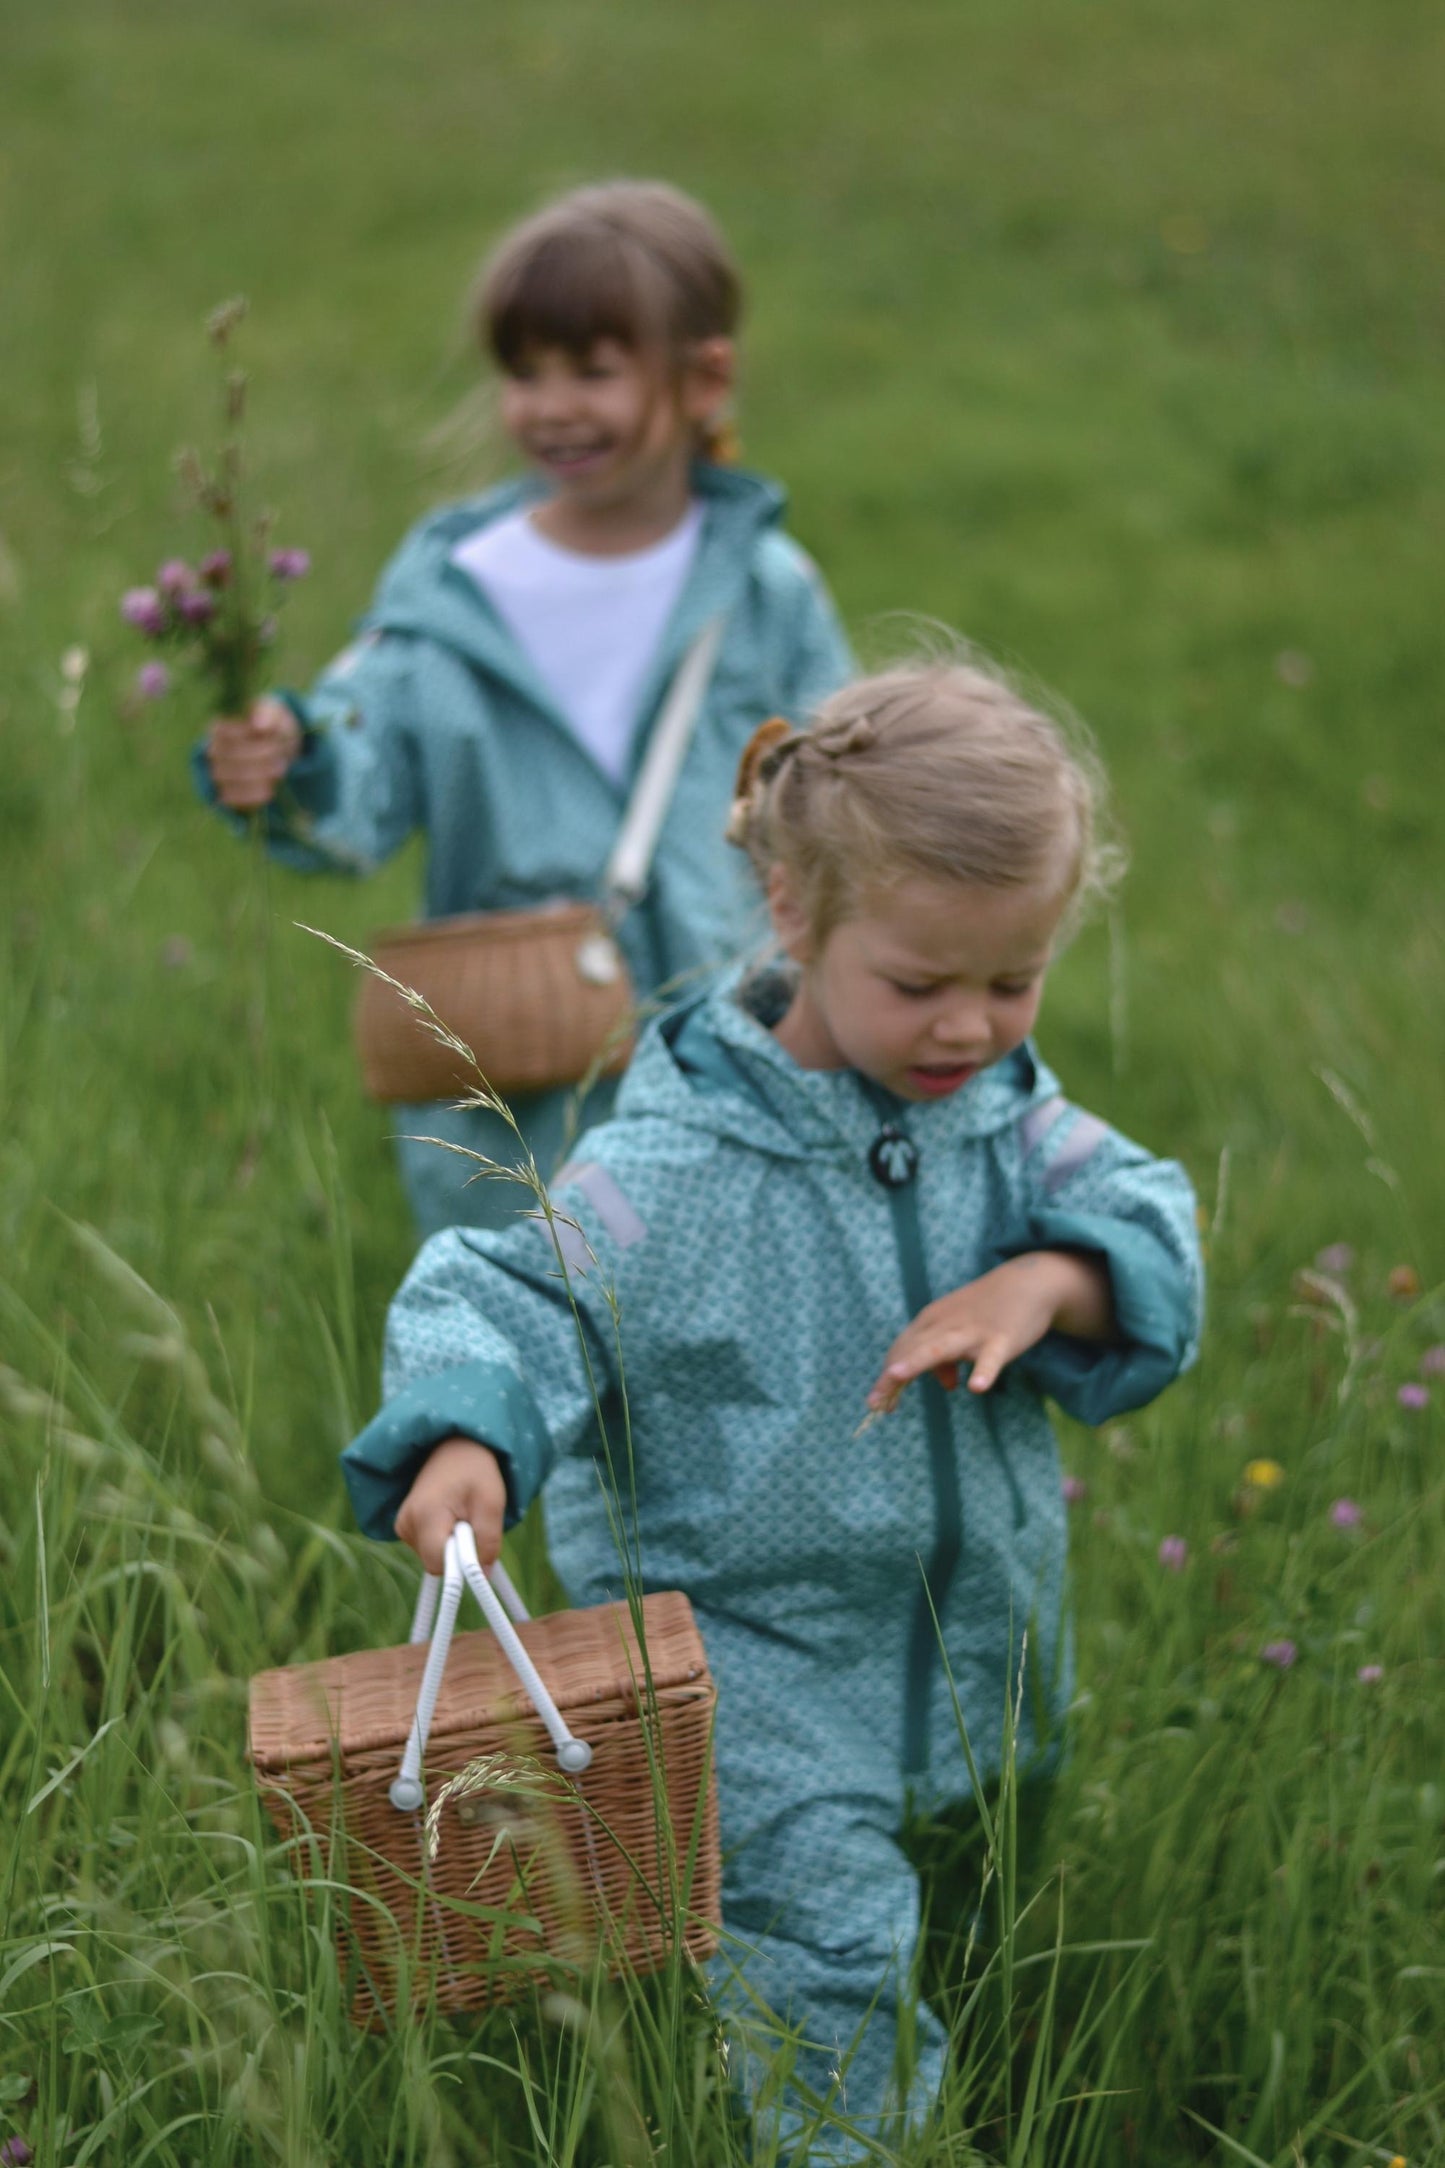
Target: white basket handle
{"x": 439, "y": 1602}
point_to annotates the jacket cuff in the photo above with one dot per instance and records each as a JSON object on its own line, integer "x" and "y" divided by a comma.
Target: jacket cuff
{"x": 481, "y": 1400}
{"x": 1154, "y": 1310}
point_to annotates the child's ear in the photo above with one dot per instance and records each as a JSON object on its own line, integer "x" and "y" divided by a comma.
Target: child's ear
{"x": 790, "y": 920}
{"x": 708, "y": 378}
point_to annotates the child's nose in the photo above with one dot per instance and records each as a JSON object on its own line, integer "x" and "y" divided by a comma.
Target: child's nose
{"x": 557, "y": 396}
{"x": 964, "y": 1023}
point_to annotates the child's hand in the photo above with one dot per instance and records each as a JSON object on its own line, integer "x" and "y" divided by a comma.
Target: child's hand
{"x": 250, "y": 753}
{"x": 996, "y": 1318}
{"x": 459, "y": 1481}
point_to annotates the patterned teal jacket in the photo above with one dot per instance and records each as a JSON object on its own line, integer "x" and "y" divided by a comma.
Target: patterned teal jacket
{"x": 742, "y": 1243}
{"x": 434, "y": 720}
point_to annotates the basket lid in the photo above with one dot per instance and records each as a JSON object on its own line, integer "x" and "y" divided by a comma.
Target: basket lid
{"x": 589, "y": 1659}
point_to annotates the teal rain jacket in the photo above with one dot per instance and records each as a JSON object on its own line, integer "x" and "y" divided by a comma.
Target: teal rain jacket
{"x": 434, "y": 719}
{"x": 739, "y": 1212}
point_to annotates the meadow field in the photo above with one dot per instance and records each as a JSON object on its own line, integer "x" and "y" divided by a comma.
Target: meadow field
{"x": 1109, "y": 335}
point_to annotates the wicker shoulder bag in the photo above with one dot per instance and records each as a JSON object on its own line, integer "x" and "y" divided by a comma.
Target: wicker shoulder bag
{"x": 483, "y": 1828}
{"x": 539, "y": 997}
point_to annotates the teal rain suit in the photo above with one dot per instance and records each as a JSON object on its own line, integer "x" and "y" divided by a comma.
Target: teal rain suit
{"x": 434, "y": 719}
{"x": 767, "y": 1231}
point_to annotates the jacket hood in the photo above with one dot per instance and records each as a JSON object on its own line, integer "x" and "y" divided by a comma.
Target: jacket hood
{"x": 714, "y": 1065}
{"x": 423, "y": 593}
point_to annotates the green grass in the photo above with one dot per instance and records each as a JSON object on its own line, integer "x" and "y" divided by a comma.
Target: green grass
{"x": 1108, "y": 334}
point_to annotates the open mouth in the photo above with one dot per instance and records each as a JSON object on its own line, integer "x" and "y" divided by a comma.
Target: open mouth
{"x": 935, "y": 1082}
{"x": 570, "y": 458}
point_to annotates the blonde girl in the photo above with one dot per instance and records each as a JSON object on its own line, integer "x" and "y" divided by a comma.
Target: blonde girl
{"x": 833, "y": 1188}
{"x": 507, "y": 675}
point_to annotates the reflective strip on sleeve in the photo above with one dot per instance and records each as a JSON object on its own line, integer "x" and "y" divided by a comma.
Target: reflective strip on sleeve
{"x": 1039, "y": 1120}
{"x": 606, "y": 1199}
{"x": 1083, "y": 1140}
{"x": 563, "y": 1236}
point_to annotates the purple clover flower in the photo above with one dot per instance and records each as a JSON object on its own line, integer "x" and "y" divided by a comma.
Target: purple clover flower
{"x": 1281, "y": 1654}
{"x": 1345, "y": 1513}
{"x": 16, "y": 2153}
{"x": 1414, "y": 1396}
{"x": 1174, "y": 1554}
{"x": 1370, "y": 1674}
{"x": 143, "y": 608}
{"x": 196, "y": 606}
{"x": 216, "y": 568}
{"x": 290, "y": 564}
{"x": 175, "y": 577}
{"x": 1432, "y": 1363}
{"x": 1076, "y": 1490}
{"x": 153, "y": 681}
{"x": 1336, "y": 1257}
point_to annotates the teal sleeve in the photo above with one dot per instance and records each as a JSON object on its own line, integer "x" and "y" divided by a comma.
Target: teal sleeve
{"x": 1155, "y": 1313}
{"x": 482, "y": 1400}
{"x": 1090, "y": 1189}
{"x": 490, "y": 1337}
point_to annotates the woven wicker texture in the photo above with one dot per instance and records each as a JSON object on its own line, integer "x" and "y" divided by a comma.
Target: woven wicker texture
{"x": 508, "y": 984}
{"x": 532, "y": 1869}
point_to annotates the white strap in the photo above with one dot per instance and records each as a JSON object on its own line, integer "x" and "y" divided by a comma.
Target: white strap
{"x": 462, "y": 1563}
{"x": 625, "y": 881}
{"x": 431, "y": 1587}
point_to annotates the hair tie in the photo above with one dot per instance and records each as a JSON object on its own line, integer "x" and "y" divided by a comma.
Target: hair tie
{"x": 766, "y": 750}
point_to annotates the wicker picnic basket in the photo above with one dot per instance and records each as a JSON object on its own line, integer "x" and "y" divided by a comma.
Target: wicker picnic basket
{"x": 540, "y": 998}
{"x": 585, "y": 1834}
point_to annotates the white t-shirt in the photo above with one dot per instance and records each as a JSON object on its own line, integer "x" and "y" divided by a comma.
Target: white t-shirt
{"x": 589, "y": 625}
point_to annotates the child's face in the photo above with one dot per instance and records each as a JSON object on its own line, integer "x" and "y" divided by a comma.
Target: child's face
{"x": 927, "y": 984}
{"x": 604, "y": 428}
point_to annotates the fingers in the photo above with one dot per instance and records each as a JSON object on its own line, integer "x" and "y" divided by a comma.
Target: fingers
{"x": 987, "y": 1356}
{"x": 987, "y": 1365}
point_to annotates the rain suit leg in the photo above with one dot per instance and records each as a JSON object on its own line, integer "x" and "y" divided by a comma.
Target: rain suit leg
{"x": 823, "y": 1918}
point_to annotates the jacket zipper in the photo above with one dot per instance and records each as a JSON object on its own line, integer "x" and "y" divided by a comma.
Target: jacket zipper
{"x": 942, "y": 1562}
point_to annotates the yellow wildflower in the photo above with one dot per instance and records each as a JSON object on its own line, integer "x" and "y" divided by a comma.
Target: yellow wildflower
{"x": 1263, "y": 1474}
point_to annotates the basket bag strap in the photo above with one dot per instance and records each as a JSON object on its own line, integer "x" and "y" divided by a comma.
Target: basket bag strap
{"x": 436, "y": 1612}
{"x": 625, "y": 881}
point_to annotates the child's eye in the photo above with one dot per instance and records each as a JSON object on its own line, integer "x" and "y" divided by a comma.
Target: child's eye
{"x": 1013, "y": 989}
{"x": 915, "y": 993}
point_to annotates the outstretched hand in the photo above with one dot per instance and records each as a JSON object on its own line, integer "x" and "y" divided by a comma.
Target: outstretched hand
{"x": 459, "y": 1481}
{"x": 249, "y": 754}
{"x": 997, "y": 1318}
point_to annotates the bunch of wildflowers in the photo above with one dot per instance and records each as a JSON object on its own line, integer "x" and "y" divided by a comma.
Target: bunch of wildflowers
{"x": 219, "y": 615}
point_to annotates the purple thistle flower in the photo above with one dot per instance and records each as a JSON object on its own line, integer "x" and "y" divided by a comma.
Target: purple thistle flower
{"x": 1174, "y": 1554}
{"x": 143, "y": 608}
{"x": 175, "y": 577}
{"x": 216, "y": 568}
{"x": 1345, "y": 1513}
{"x": 15, "y": 2153}
{"x": 1370, "y": 1674}
{"x": 153, "y": 681}
{"x": 1336, "y": 1257}
{"x": 1432, "y": 1363}
{"x": 196, "y": 606}
{"x": 1281, "y": 1654}
{"x": 290, "y": 564}
{"x": 1076, "y": 1490}
{"x": 1414, "y": 1396}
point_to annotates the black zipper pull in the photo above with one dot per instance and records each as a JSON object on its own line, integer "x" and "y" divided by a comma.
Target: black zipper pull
{"x": 893, "y": 1157}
